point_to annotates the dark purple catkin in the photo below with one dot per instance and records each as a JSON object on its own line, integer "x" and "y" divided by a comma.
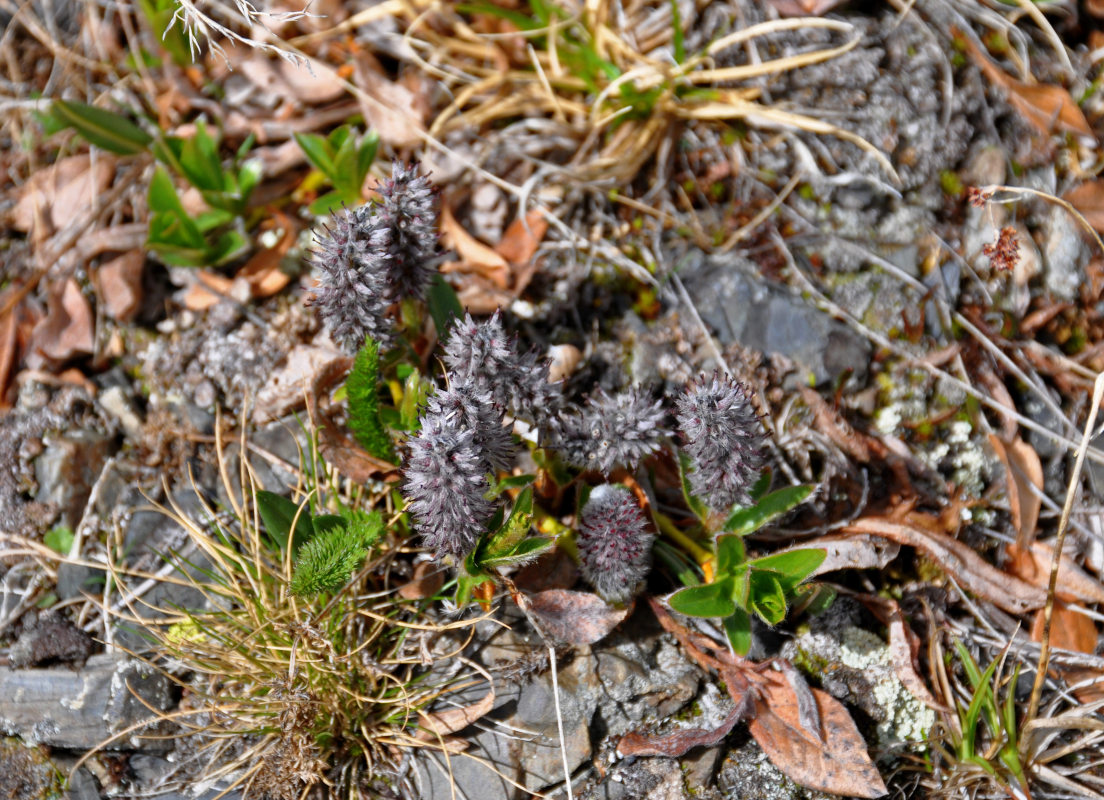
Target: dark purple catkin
{"x": 351, "y": 262}
{"x": 724, "y": 439}
{"x": 472, "y": 409}
{"x": 611, "y": 431}
{"x": 408, "y": 210}
{"x": 614, "y": 541}
{"x": 446, "y": 483}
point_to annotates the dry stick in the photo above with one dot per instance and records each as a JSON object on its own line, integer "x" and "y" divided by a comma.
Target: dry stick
{"x": 1063, "y": 524}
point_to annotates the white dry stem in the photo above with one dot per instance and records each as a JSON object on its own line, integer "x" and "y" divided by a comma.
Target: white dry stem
{"x": 197, "y": 25}
{"x": 559, "y": 720}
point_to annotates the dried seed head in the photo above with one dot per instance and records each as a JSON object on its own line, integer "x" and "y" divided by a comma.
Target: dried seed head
{"x": 351, "y": 263}
{"x": 611, "y": 431}
{"x": 615, "y": 544}
{"x": 446, "y": 480}
{"x": 409, "y": 212}
{"x": 724, "y": 439}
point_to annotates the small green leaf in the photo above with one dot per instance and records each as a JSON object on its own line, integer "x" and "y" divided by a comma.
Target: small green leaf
{"x": 277, "y": 513}
{"x": 324, "y": 523}
{"x": 362, "y": 388}
{"x": 766, "y": 598}
{"x": 59, "y": 539}
{"x": 730, "y": 553}
{"x": 466, "y": 582}
{"x": 511, "y": 482}
{"x": 366, "y": 154}
{"x": 326, "y": 562}
{"x": 761, "y": 486}
{"x": 416, "y": 392}
{"x": 708, "y": 600}
{"x": 524, "y": 551}
{"x": 318, "y": 152}
{"x": 331, "y": 203}
{"x": 503, "y": 541}
{"x": 746, "y": 520}
{"x": 737, "y": 627}
{"x": 106, "y": 129}
{"x": 792, "y": 567}
{"x": 444, "y": 306}
{"x": 692, "y": 502}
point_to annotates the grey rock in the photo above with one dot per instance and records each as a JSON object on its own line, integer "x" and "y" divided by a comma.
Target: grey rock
{"x": 82, "y": 786}
{"x": 1065, "y": 252}
{"x": 743, "y": 308}
{"x": 68, "y": 468}
{"x": 747, "y": 772}
{"x": 49, "y": 637}
{"x": 642, "y": 678}
{"x": 700, "y": 765}
{"x": 642, "y": 779}
{"x": 80, "y": 710}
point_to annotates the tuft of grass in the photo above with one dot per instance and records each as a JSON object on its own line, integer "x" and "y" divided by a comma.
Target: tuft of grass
{"x": 322, "y": 672}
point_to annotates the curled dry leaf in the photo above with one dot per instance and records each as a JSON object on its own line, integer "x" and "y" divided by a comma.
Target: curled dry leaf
{"x": 1088, "y": 198}
{"x": 834, "y": 759}
{"x": 474, "y": 255}
{"x": 1024, "y": 481}
{"x": 1074, "y": 631}
{"x": 427, "y": 580}
{"x": 1033, "y": 566}
{"x": 286, "y": 388}
{"x": 435, "y": 724}
{"x": 58, "y": 193}
{"x": 68, "y": 329}
{"x": 850, "y": 552}
{"x": 958, "y": 560}
{"x": 522, "y": 238}
{"x": 574, "y": 617}
{"x": 262, "y": 271}
{"x": 119, "y": 285}
{"x": 680, "y": 742}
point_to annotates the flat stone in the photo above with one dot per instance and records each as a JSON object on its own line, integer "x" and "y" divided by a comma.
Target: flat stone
{"x": 67, "y": 470}
{"x": 26, "y": 772}
{"x": 79, "y": 710}
{"x": 49, "y": 637}
{"x": 742, "y": 308}
{"x": 642, "y": 779}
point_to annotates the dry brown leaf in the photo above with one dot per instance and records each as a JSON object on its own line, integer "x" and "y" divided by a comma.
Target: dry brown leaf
{"x": 119, "y": 285}
{"x": 1023, "y": 471}
{"x": 9, "y": 343}
{"x": 391, "y": 109}
{"x": 834, "y": 761}
{"x": 68, "y": 329}
{"x": 286, "y": 388}
{"x": 522, "y": 238}
{"x": 1049, "y": 108}
{"x": 441, "y": 723}
{"x": 59, "y": 192}
{"x": 1033, "y": 566}
{"x": 1088, "y": 198}
{"x": 427, "y": 580}
{"x": 474, "y": 255}
{"x": 553, "y": 569}
{"x": 574, "y": 617}
{"x": 1076, "y": 632}
{"x": 958, "y": 560}
{"x": 262, "y": 270}
{"x": 681, "y": 742}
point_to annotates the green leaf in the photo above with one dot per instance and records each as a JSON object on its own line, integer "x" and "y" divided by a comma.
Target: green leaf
{"x": 324, "y": 523}
{"x": 199, "y": 160}
{"x": 525, "y": 550}
{"x": 367, "y": 526}
{"x": 277, "y": 513}
{"x": 511, "y": 482}
{"x": 692, "y": 502}
{"x": 707, "y": 600}
{"x": 746, "y": 520}
{"x": 444, "y": 306}
{"x": 676, "y": 33}
{"x": 346, "y": 177}
{"x": 331, "y": 203}
{"x": 416, "y": 392}
{"x": 362, "y": 388}
{"x": 59, "y": 539}
{"x": 737, "y": 627}
{"x": 106, "y": 129}
{"x": 466, "y": 581}
{"x": 792, "y": 567}
{"x": 366, "y": 154}
{"x": 318, "y": 152}
{"x": 766, "y": 598}
{"x": 503, "y": 541}
{"x": 730, "y": 553}
{"x": 762, "y": 484}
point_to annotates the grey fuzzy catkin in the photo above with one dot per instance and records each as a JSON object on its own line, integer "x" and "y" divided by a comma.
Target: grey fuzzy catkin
{"x": 724, "y": 439}
{"x": 446, "y": 484}
{"x": 408, "y": 210}
{"x": 473, "y": 409}
{"x": 614, "y": 542}
{"x": 350, "y": 260}
{"x": 611, "y": 431}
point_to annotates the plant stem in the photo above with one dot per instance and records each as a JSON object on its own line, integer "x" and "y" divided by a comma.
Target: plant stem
{"x": 700, "y": 554}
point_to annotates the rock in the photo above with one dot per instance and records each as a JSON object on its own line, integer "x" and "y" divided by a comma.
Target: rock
{"x": 114, "y": 401}
{"x": 642, "y": 779}
{"x": 82, "y": 786}
{"x": 1065, "y": 251}
{"x": 48, "y": 637}
{"x": 26, "y": 773}
{"x": 643, "y": 679}
{"x": 67, "y": 470}
{"x": 80, "y": 710}
{"x": 743, "y": 308}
